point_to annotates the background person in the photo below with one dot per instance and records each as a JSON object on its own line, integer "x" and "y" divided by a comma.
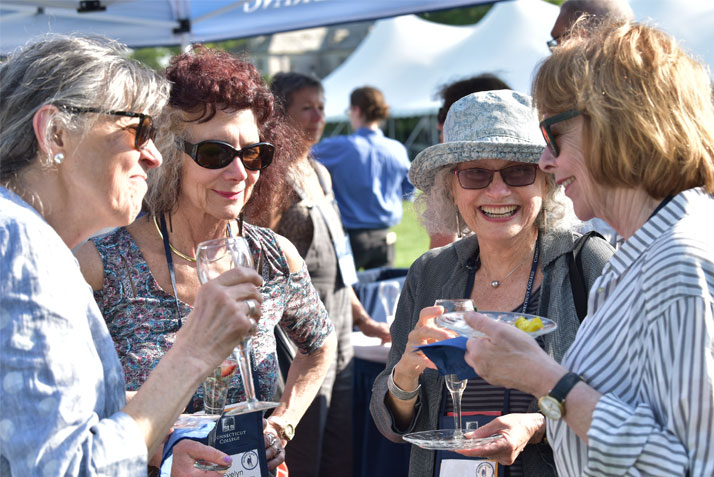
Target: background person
{"x": 484, "y": 177}
{"x": 311, "y": 221}
{"x": 370, "y": 177}
{"x": 630, "y": 124}
{"x": 600, "y": 10}
{"x": 76, "y": 141}
{"x": 450, "y": 93}
{"x": 222, "y": 111}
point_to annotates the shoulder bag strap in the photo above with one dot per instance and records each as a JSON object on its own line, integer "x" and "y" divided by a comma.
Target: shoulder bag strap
{"x": 577, "y": 279}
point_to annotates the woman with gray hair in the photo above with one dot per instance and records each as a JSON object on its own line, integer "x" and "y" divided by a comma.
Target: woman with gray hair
{"x": 77, "y": 129}
{"x": 484, "y": 180}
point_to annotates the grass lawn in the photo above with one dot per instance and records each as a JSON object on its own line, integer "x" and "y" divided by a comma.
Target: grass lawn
{"x": 412, "y": 239}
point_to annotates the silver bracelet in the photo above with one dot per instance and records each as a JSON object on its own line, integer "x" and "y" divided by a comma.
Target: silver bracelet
{"x": 398, "y": 392}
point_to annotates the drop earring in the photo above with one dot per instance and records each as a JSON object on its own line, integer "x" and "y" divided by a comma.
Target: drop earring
{"x": 458, "y": 226}
{"x": 58, "y": 158}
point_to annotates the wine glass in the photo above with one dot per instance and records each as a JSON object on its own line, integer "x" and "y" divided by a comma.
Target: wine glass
{"x": 214, "y": 257}
{"x": 389, "y": 291}
{"x": 455, "y": 385}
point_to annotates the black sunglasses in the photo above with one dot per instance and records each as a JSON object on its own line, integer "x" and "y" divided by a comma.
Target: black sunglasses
{"x": 145, "y": 132}
{"x": 515, "y": 176}
{"x": 546, "y": 124}
{"x": 218, "y": 154}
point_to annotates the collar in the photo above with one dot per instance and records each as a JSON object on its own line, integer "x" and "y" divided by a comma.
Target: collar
{"x": 369, "y": 132}
{"x": 683, "y": 203}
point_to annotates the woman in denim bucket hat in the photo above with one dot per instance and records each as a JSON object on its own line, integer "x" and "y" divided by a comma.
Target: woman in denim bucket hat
{"x": 483, "y": 182}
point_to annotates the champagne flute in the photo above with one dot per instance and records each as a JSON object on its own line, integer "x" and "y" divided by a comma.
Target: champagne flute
{"x": 213, "y": 257}
{"x": 455, "y": 385}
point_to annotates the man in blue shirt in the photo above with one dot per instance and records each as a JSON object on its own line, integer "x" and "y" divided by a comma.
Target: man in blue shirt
{"x": 370, "y": 179}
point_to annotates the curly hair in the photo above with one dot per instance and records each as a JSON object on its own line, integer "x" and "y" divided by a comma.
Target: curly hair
{"x": 80, "y": 71}
{"x": 204, "y": 81}
{"x": 647, "y": 106}
{"x": 438, "y": 212}
{"x": 371, "y": 103}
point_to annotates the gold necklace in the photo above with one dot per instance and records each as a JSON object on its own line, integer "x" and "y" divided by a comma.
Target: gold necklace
{"x": 173, "y": 249}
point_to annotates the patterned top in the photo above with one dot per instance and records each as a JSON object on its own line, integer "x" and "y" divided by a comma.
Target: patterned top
{"x": 648, "y": 346}
{"x": 142, "y": 320}
{"x": 62, "y": 388}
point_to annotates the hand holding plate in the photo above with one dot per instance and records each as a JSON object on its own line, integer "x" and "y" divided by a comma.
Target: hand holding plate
{"x": 507, "y": 356}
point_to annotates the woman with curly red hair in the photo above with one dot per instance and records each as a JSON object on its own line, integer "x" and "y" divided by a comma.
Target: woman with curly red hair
{"x": 229, "y": 157}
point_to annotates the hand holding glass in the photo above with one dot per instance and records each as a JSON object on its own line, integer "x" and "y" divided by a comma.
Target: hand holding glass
{"x": 214, "y": 257}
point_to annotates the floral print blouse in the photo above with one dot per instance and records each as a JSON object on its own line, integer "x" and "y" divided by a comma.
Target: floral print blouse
{"x": 143, "y": 320}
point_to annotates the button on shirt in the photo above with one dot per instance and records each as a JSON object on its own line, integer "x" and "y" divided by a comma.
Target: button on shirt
{"x": 369, "y": 177}
{"x": 61, "y": 384}
{"x": 648, "y": 347}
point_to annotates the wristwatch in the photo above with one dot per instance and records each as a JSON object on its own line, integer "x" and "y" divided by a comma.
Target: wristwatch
{"x": 551, "y": 405}
{"x": 286, "y": 430}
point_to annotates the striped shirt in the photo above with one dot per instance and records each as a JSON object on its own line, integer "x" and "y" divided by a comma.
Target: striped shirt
{"x": 648, "y": 347}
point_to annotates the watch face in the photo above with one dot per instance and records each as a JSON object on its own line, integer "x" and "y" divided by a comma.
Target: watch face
{"x": 550, "y": 407}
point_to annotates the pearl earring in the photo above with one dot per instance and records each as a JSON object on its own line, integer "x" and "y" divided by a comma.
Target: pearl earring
{"x": 58, "y": 158}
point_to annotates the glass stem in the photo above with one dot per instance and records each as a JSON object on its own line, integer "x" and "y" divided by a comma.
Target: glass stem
{"x": 246, "y": 371}
{"x": 456, "y": 398}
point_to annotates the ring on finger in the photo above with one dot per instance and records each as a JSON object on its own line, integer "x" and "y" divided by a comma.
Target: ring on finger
{"x": 271, "y": 440}
{"x": 252, "y": 307}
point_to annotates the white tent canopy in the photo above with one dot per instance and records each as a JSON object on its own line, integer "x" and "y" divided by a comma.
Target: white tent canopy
{"x": 181, "y": 22}
{"x": 408, "y": 58}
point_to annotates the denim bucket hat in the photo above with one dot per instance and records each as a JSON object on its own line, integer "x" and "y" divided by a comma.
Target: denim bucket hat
{"x": 488, "y": 125}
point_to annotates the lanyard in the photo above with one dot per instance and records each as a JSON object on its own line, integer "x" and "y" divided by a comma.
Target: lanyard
{"x": 474, "y": 264}
{"x": 661, "y": 206}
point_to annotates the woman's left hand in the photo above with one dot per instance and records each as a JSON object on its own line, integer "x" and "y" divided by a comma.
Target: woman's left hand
{"x": 274, "y": 450}
{"x": 187, "y": 452}
{"x": 517, "y": 431}
{"x": 510, "y": 358}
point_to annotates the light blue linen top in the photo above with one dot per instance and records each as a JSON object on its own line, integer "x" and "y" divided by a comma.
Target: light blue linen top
{"x": 61, "y": 384}
{"x": 369, "y": 177}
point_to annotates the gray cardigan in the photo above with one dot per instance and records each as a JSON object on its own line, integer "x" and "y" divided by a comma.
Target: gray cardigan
{"x": 443, "y": 273}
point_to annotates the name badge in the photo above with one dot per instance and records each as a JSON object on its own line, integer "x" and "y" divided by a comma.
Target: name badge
{"x": 478, "y": 468}
{"x": 345, "y": 260}
{"x": 241, "y": 437}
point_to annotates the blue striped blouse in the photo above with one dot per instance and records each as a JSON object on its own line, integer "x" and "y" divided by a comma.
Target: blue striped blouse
{"x": 648, "y": 347}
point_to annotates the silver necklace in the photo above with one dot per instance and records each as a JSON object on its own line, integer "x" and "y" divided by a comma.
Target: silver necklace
{"x": 497, "y": 283}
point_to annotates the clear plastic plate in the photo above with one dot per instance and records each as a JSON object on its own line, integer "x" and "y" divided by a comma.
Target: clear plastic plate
{"x": 455, "y": 322}
{"x": 447, "y": 439}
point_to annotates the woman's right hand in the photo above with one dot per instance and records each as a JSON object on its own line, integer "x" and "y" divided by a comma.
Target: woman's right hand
{"x": 220, "y": 318}
{"x": 413, "y": 362}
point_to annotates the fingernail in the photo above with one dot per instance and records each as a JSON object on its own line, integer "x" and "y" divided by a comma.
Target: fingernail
{"x": 228, "y": 459}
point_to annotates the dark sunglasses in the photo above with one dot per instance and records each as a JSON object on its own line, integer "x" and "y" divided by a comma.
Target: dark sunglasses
{"x": 218, "y": 154}
{"x": 514, "y": 176}
{"x": 145, "y": 132}
{"x": 546, "y": 124}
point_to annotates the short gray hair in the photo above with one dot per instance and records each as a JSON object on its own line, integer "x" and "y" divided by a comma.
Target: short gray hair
{"x": 79, "y": 71}
{"x": 439, "y": 214}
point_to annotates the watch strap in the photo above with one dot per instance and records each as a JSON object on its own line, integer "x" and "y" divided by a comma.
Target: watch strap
{"x": 398, "y": 392}
{"x": 564, "y": 386}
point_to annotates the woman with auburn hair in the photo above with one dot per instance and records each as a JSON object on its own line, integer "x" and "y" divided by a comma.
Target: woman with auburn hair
{"x": 629, "y": 122}
{"x": 78, "y": 121}
{"x": 229, "y": 158}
